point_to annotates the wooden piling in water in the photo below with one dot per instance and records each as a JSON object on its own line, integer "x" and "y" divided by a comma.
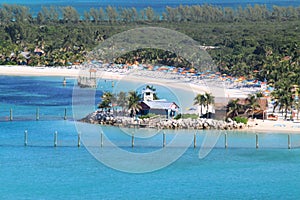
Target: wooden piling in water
{"x": 164, "y": 139}
{"x": 65, "y": 117}
{"x": 289, "y": 141}
{"x": 11, "y": 114}
{"x": 256, "y": 141}
{"x": 101, "y": 140}
{"x": 226, "y": 144}
{"x": 37, "y": 114}
{"x": 132, "y": 140}
{"x": 55, "y": 139}
{"x": 195, "y": 138}
{"x": 25, "y": 138}
{"x": 64, "y": 81}
{"x": 79, "y": 138}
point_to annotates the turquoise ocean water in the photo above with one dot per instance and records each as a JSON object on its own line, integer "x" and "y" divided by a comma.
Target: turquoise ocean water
{"x": 40, "y": 171}
{"x": 158, "y": 5}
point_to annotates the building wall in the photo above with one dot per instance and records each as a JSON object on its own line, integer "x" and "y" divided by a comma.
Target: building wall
{"x": 158, "y": 111}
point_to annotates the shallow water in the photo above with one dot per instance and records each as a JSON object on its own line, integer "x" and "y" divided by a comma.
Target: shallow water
{"x": 40, "y": 171}
{"x": 65, "y": 172}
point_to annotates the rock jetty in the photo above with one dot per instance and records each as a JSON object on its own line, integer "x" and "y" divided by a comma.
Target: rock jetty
{"x": 107, "y": 118}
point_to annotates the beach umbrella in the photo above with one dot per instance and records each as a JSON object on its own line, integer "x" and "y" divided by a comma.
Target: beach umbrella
{"x": 163, "y": 68}
{"x": 192, "y": 70}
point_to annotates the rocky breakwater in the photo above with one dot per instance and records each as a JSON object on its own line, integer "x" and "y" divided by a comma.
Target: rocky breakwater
{"x": 105, "y": 118}
{"x": 100, "y": 117}
{"x": 192, "y": 124}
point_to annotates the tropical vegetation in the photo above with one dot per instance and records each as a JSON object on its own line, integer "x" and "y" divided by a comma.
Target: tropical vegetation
{"x": 127, "y": 102}
{"x": 204, "y": 101}
{"x": 134, "y": 103}
{"x": 240, "y": 119}
{"x": 247, "y": 37}
{"x": 249, "y": 106}
{"x": 186, "y": 116}
{"x": 254, "y": 41}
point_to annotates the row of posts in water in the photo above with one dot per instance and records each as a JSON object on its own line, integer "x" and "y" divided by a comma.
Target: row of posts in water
{"x": 164, "y": 140}
{"x": 37, "y": 116}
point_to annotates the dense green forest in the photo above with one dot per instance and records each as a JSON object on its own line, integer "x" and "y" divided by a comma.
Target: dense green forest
{"x": 248, "y": 38}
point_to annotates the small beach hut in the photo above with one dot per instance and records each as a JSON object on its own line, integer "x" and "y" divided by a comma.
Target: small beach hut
{"x": 159, "y": 107}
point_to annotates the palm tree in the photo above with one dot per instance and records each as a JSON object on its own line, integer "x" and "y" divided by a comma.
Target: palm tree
{"x": 234, "y": 107}
{"x": 209, "y": 100}
{"x": 252, "y": 104}
{"x": 155, "y": 97}
{"x": 259, "y": 95}
{"x": 106, "y": 100}
{"x": 134, "y": 103}
{"x": 122, "y": 100}
{"x": 200, "y": 100}
{"x": 286, "y": 102}
{"x": 296, "y": 99}
{"x": 283, "y": 96}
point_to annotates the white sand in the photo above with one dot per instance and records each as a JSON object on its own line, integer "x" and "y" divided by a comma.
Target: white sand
{"x": 269, "y": 126}
{"x": 72, "y": 72}
{"x": 37, "y": 71}
{"x": 217, "y": 91}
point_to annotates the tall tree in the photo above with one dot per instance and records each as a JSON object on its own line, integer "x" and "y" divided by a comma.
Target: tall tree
{"x": 234, "y": 108}
{"x": 151, "y": 87}
{"x": 209, "y": 100}
{"x": 252, "y": 104}
{"x": 112, "y": 14}
{"x": 150, "y": 14}
{"x": 70, "y": 14}
{"x": 106, "y": 100}
{"x": 122, "y": 100}
{"x": 200, "y": 100}
{"x": 134, "y": 103}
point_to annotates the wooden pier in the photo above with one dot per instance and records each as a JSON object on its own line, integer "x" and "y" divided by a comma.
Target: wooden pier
{"x": 16, "y": 115}
{"x": 133, "y": 141}
{"x": 88, "y": 81}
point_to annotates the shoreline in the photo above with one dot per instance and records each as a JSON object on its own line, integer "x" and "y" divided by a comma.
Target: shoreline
{"x": 253, "y": 126}
{"x": 74, "y": 71}
{"x": 261, "y": 127}
{"x": 77, "y": 71}
{"x": 273, "y": 127}
{"x": 13, "y": 70}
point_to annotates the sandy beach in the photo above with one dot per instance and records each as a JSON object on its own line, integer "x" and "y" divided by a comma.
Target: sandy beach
{"x": 269, "y": 126}
{"x": 38, "y": 71}
{"x": 210, "y": 86}
{"x": 75, "y": 72}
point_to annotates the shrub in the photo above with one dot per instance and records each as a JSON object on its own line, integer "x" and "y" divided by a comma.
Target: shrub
{"x": 186, "y": 116}
{"x": 177, "y": 116}
{"x": 239, "y": 119}
{"x": 147, "y": 116}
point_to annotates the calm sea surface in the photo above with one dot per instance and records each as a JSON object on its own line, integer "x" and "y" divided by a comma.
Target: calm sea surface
{"x": 40, "y": 171}
{"x": 158, "y": 5}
